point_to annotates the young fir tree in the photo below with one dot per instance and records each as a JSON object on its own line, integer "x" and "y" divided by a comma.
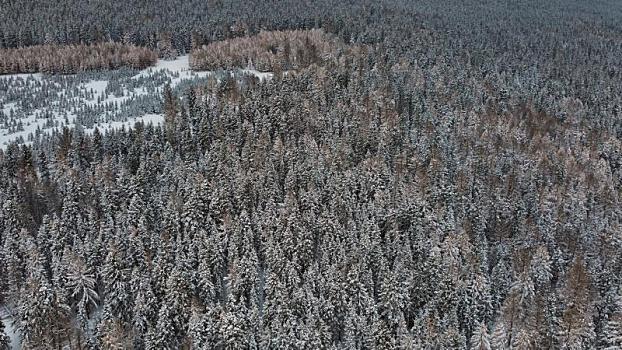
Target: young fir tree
{"x": 480, "y": 339}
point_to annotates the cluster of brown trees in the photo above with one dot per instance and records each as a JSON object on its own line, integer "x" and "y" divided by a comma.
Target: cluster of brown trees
{"x": 69, "y": 59}
{"x": 268, "y": 51}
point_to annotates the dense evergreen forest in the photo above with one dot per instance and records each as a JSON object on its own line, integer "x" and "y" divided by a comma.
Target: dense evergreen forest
{"x": 414, "y": 175}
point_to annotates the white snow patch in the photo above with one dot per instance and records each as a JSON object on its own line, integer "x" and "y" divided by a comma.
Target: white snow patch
{"x": 258, "y": 74}
{"x": 178, "y": 69}
{"x": 181, "y": 66}
{"x": 9, "y": 329}
{"x": 29, "y": 124}
{"x": 98, "y": 86}
{"x": 154, "y": 119}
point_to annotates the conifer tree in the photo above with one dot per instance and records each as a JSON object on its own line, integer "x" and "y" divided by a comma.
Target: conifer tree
{"x": 480, "y": 339}
{"x": 5, "y": 341}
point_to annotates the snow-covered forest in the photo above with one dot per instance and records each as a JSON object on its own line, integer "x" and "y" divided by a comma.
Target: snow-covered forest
{"x": 331, "y": 175}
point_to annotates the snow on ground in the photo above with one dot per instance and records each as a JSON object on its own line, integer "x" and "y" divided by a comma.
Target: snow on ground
{"x": 30, "y": 125}
{"x": 107, "y": 101}
{"x": 258, "y": 74}
{"x": 179, "y": 68}
{"x": 154, "y": 119}
{"x": 98, "y": 86}
{"x": 9, "y": 329}
{"x": 7, "y": 107}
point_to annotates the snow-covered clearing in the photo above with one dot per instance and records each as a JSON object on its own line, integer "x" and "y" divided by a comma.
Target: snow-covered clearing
{"x": 33, "y": 104}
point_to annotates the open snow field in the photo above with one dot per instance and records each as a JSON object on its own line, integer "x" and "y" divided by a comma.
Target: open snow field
{"x": 31, "y": 104}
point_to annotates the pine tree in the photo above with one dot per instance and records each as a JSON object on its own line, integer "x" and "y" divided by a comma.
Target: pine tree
{"x": 165, "y": 47}
{"x": 81, "y": 286}
{"x": 202, "y": 329}
{"x": 115, "y": 278}
{"x": 611, "y": 338}
{"x": 540, "y": 267}
{"x": 170, "y": 115}
{"x": 5, "y": 341}
{"x": 233, "y": 326}
{"x": 480, "y": 339}
{"x": 84, "y": 309}
{"x": 12, "y": 250}
{"x": 612, "y": 335}
{"x": 113, "y": 334}
{"x": 164, "y": 334}
{"x": 172, "y": 319}
{"x": 43, "y": 316}
{"x": 576, "y": 328}
{"x": 382, "y": 334}
{"x": 522, "y": 340}
{"x": 499, "y": 339}
{"x": 145, "y": 305}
